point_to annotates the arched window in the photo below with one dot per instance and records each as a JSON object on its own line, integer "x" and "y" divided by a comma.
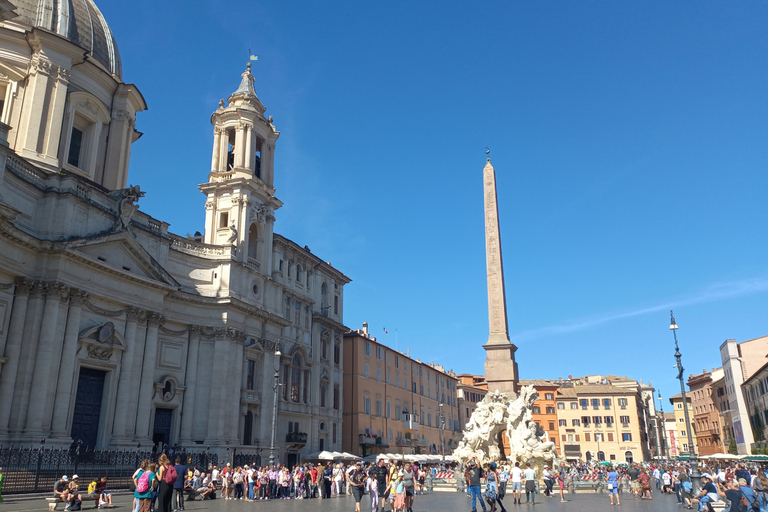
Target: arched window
{"x": 295, "y": 378}
{"x": 628, "y": 457}
{"x": 601, "y": 456}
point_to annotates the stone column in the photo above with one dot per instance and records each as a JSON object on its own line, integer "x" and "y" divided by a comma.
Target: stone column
{"x": 27, "y": 359}
{"x": 48, "y": 354}
{"x": 135, "y": 380}
{"x": 190, "y": 393}
{"x": 268, "y": 162}
{"x": 240, "y": 145}
{"x": 66, "y": 374}
{"x": 223, "y": 150}
{"x": 13, "y": 351}
{"x": 215, "y": 409}
{"x": 127, "y": 377}
{"x": 249, "y": 151}
{"x": 216, "y": 149}
{"x": 235, "y": 432}
{"x": 146, "y": 388}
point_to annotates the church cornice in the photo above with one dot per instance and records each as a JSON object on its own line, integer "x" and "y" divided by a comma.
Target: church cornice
{"x": 317, "y": 263}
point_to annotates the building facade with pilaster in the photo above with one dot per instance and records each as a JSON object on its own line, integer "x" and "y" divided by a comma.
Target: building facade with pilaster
{"x": 113, "y": 330}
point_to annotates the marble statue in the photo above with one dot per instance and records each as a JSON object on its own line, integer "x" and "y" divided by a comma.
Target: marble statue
{"x": 495, "y": 414}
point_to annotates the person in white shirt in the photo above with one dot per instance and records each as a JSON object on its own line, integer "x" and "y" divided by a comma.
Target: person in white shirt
{"x": 530, "y": 484}
{"x": 516, "y": 478}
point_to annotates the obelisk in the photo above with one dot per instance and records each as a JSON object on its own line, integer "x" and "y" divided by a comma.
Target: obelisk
{"x": 500, "y": 365}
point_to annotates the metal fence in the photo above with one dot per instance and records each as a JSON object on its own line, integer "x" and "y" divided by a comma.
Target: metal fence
{"x": 27, "y": 470}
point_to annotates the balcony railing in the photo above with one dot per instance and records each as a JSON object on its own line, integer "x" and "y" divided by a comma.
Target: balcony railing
{"x": 410, "y": 422}
{"x": 366, "y": 439}
{"x": 403, "y": 442}
{"x": 296, "y": 438}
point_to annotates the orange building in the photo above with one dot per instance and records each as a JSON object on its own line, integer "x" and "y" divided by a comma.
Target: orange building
{"x": 544, "y": 409}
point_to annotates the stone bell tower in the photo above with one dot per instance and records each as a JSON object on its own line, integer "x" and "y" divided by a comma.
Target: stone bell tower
{"x": 500, "y": 366}
{"x": 240, "y": 194}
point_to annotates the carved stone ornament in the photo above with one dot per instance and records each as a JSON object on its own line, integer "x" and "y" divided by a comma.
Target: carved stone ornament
{"x": 102, "y": 341}
{"x": 128, "y": 197}
{"x": 100, "y": 353}
{"x": 257, "y": 212}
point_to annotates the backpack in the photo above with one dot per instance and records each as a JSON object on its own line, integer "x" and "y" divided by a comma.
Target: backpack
{"x": 143, "y": 485}
{"x": 77, "y": 505}
{"x": 170, "y": 475}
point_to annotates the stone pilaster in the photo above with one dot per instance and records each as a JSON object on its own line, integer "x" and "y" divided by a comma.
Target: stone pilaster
{"x": 66, "y": 374}
{"x": 13, "y": 351}
{"x": 135, "y": 379}
{"x": 50, "y": 348}
{"x": 217, "y": 398}
{"x": 120, "y": 434}
{"x": 146, "y": 388}
{"x": 190, "y": 393}
{"x": 26, "y": 372}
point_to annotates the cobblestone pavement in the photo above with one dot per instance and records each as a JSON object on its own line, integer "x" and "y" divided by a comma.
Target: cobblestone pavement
{"x": 436, "y": 501}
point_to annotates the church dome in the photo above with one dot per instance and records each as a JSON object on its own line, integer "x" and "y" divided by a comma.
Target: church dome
{"x": 80, "y": 21}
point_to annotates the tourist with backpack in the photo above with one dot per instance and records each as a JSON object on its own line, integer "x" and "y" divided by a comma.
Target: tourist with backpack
{"x": 166, "y": 476}
{"x": 145, "y": 481}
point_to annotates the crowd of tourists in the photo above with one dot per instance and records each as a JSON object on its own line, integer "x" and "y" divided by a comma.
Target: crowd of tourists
{"x": 162, "y": 487}
{"x": 739, "y": 488}
{"x": 512, "y": 478}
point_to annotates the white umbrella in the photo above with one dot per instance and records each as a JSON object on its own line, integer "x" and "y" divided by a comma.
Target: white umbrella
{"x": 323, "y": 455}
{"x": 349, "y": 456}
{"x": 721, "y": 456}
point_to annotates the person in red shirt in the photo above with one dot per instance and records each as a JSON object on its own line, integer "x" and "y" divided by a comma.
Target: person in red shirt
{"x": 313, "y": 472}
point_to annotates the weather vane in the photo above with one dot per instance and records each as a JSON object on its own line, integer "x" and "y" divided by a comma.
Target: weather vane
{"x": 488, "y": 153}
{"x": 251, "y": 57}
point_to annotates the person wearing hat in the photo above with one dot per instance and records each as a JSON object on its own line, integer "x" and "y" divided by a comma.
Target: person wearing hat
{"x": 472, "y": 475}
{"x": 749, "y": 493}
{"x": 709, "y": 493}
{"x": 61, "y": 488}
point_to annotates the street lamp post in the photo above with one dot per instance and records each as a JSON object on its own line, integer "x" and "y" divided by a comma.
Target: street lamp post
{"x": 663, "y": 427}
{"x": 695, "y": 475}
{"x": 274, "y": 409}
{"x": 442, "y": 433}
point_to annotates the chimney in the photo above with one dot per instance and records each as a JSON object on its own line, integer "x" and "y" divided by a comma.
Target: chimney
{"x": 365, "y": 329}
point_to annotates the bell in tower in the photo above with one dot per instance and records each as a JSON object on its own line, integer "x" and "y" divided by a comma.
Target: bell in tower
{"x": 240, "y": 191}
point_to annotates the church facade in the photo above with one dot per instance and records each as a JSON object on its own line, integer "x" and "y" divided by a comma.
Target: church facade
{"x": 113, "y": 330}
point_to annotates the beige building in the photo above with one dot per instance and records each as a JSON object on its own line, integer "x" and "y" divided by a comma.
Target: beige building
{"x": 706, "y": 415}
{"x": 740, "y": 362}
{"x": 601, "y": 422}
{"x": 679, "y": 444}
{"x": 394, "y": 403}
{"x": 114, "y": 331}
{"x": 471, "y": 389}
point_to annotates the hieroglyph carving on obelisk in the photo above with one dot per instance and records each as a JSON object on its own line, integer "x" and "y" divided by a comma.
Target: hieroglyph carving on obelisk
{"x": 500, "y": 366}
{"x": 497, "y": 302}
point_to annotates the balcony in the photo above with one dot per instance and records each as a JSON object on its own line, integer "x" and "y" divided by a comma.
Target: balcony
{"x": 410, "y": 422}
{"x": 366, "y": 439}
{"x": 403, "y": 442}
{"x": 296, "y": 438}
{"x": 249, "y": 396}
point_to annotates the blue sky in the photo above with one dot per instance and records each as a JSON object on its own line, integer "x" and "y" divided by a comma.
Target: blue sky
{"x": 629, "y": 141}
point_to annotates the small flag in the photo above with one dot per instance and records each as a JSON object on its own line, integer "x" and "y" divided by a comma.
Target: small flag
{"x": 254, "y": 57}
{"x": 386, "y": 331}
